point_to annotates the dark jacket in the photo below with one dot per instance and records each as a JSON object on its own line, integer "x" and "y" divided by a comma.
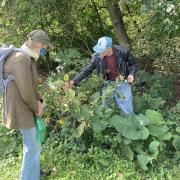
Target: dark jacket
{"x": 125, "y": 61}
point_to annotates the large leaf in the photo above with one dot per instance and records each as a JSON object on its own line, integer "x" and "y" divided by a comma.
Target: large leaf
{"x": 107, "y": 113}
{"x": 176, "y": 144}
{"x": 160, "y": 132}
{"x": 129, "y": 128}
{"x": 127, "y": 141}
{"x": 85, "y": 112}
{"x": 99, "y": 125}
{"x": 142, "y": 120}
{"x": 143, "y": 160}
{"x": 153, "y": 148}
{"x": 154, "y": 117}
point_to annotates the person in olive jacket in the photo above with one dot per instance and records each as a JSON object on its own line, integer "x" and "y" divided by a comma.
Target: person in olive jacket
{"x": 110, "y": 61}
{"x": 23, "y": 101}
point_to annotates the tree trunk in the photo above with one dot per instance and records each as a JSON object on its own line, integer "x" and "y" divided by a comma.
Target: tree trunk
{"x": 116, "y": 18}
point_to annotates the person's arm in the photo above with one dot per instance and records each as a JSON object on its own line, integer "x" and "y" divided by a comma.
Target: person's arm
{"x": 131, "y": 64}
{"x": 23, "y": 78}
{"x": 84, "y": 73}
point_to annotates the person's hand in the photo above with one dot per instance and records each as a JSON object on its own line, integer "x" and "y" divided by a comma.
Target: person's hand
{"x": 130, "y": 78}
{"x": 40, "y": 109}
{"x": 69, "y": 85}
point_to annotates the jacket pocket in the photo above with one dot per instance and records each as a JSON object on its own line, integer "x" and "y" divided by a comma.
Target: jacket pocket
{"x": 20, "y": 105}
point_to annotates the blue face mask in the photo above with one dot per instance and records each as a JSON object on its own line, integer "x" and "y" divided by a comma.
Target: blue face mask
{"x": 43, "y": 52}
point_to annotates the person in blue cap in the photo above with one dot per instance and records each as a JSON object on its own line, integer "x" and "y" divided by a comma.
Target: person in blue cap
{"x": 110, "y": 61}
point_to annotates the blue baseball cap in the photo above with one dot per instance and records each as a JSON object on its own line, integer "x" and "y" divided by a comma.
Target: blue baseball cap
{"x": 103, "y": 44}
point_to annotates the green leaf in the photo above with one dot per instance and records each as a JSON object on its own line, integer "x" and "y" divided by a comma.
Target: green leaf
{"x": 126, "y": 141}
{"x": 160, "y": 132}
{"x": 138, "y": 147}
{"x": 143, "y": 160}
{"x": 108, "y": 113}
{"x": 153, "y": 148}
{"x": 128, "y": 127}
{"x": 178, "y": 129}
{"x": 84, "y": 112}
{"x": 71, "y": 93}
{"x": 80, "y": 129}
{"x": 176, "y": 144}
{"x": 109, "y": 90}
{"x": 73, "y": 53}
{"x": 7, "y": 145}
{"x": 167, "y": 136}
{"x": 95, "y": 97}
{"x": 98, "y": 113}
{"x": 4, "y": 3}
{"x": 118, "y": 138}
{"x": 142, "y": 120}
{"x": 144, "y": 133}
{"x": 126, "y": 151}
{"x": 99, "y": 125}
{"x": 66, "y": 77}
{"x": 154, "y": 117}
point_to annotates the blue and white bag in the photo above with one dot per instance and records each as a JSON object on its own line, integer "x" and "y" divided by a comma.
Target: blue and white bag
{"x": 4, "y": 54}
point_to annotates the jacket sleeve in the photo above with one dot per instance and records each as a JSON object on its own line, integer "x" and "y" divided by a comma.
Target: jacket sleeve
{"x": 85, "y": 72}
{"x": 131, "y": 63}
{"x": 40, "y": 98}
{"x": 23, "y": 78}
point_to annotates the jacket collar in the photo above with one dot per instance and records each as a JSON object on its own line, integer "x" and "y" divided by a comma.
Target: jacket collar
{"x": 115, "y": 51}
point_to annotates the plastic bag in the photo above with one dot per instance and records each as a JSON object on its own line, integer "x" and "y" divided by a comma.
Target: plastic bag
{"x": 41, "y": 130}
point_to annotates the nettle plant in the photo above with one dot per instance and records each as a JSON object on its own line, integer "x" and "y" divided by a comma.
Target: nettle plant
{"x": 93, "y": 124}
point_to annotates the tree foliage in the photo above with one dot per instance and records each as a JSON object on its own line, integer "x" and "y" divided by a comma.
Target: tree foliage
{"x": 151, "y": 26}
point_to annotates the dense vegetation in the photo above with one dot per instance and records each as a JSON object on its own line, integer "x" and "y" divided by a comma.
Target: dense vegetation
{"x": 86, "y": 140}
